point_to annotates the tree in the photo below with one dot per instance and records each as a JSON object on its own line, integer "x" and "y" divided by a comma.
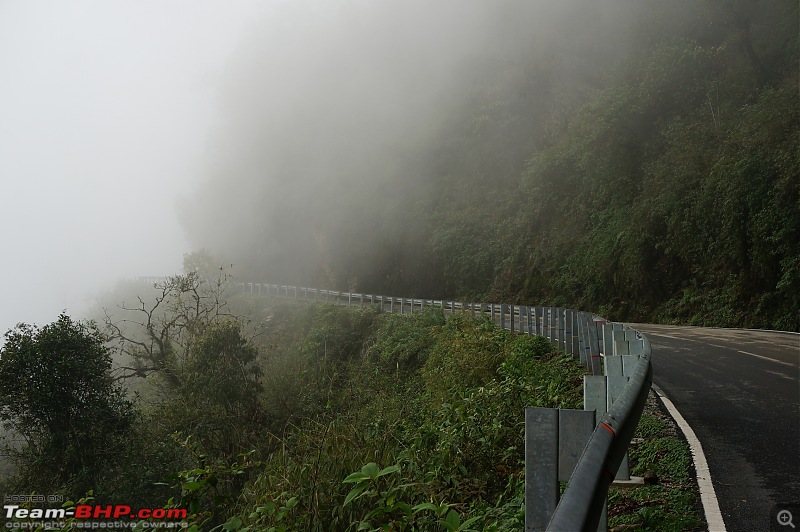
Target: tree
{"x": 156, "y": 336}
{"x": 58, "y": 394}
{"x": 219, "y": 399}
{"x": 196, "y": 357}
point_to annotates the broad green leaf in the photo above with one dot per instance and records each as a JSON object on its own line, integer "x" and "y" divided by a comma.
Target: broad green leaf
{"x": 387, "y": 470}
{"x": 355, "y": 477}
{"x": 355, "y": 492}
{"x": 468, "y": 522}
{"x": 404, "y": 507}
{"x": 371, "y": 470}
{"x": 233, "y": 523}
{"x": 426, "y": 506}
{"x": 453, "y": 520}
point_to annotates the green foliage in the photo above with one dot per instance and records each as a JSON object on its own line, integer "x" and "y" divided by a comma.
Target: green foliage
{"x": 649, "y": 426}
{"x": 57, "y": 392}
{"x": 676, "y": 194}
{"x": 208, "y": 489}
{"x": 453, "y": 465}
{"x": 667, "y": 457}
{"x": 466, "y": 354}
{"x": 671, "y": 503}
{"x": 404, "y": 342}
{"x": 218, "y": 400}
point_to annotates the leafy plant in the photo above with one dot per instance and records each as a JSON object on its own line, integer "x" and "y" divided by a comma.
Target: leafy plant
{"x": 58, "y": 393}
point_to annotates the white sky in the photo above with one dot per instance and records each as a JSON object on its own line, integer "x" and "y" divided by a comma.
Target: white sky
{"x": 105, "y": 113}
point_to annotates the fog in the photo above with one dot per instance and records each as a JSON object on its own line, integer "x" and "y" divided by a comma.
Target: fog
{"x": 133, "y": 132}
{"x": 105, "y": 113}
{"x": 326, "y": 120}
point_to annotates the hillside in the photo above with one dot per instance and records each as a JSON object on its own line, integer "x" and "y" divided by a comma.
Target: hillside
{"x": 639, "y": 161}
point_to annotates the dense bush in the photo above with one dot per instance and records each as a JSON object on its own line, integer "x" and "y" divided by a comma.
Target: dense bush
{"x": 426, "y": 428}
{"x": 58, "y": 395}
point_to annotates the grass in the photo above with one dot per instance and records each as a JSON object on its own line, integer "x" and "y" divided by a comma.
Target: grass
{"x": 671, "y": 501}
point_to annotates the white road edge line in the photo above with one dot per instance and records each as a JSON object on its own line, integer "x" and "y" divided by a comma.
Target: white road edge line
{"x": 707, "y": 494}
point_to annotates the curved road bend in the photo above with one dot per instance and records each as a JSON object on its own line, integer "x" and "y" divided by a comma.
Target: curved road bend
{"x": 739, "y": 390}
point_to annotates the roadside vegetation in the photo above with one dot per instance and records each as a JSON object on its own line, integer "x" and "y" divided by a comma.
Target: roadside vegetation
{"x": 669, "y": 500}
{"x": 298, "y": 417}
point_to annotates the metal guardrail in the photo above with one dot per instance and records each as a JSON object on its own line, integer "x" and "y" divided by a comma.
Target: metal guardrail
{"x": 561, "y": 326}
{"x": 584, "y": 499}
{"x": 586, "y": 337}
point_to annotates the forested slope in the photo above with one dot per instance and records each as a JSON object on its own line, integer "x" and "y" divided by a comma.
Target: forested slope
{"x": 636, "y": 159}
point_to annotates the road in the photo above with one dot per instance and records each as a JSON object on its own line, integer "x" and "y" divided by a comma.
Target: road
{"x": 740, "y": 392}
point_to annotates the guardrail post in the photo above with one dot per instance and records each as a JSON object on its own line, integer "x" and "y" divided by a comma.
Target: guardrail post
{"x": 541, "y": 466}
{"x": 636, "y": 347}
{"x": 613, "y": 365}
{"x": 594, "y": 348}
{"x": 539, "y": 321}
{"x": 595, "y": 397}
{"x": 615, "y": 385}
{"x": 581, "y": 336}
{"x": 568, "y": 343}
{"x": 530, "y": 320}
{"x": 545, "y": 323}
{"x": 608, "y": 338}
{"x": 595, "y": 394}
{"x": 554, "y": 442}
{"x": 629, "y": 363}
{"x": 574, "y": 429}
{"x": 576, "y": 344}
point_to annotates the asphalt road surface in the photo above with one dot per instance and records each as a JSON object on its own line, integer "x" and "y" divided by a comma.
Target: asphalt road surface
{"x": 740, "y": 392}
